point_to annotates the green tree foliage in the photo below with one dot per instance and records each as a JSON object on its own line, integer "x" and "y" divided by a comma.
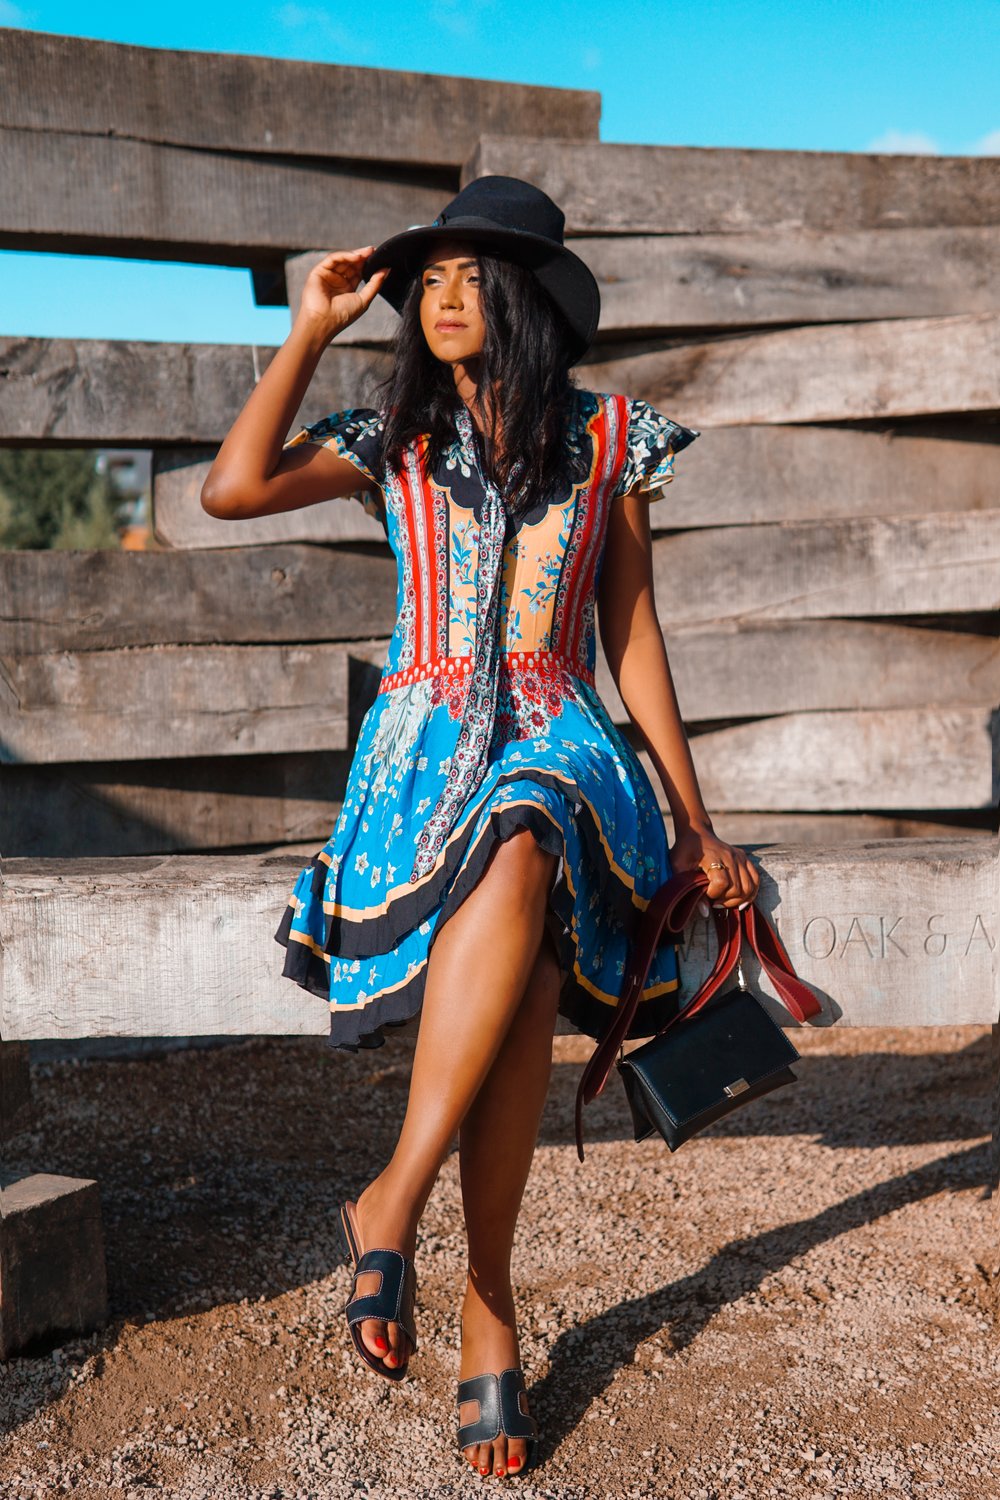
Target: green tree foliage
{"x": 56, "y": 497}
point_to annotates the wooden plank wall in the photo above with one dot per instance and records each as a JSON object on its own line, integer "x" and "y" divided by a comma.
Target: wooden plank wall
{"x": 200, "y": 156}
{"x": 826, "y": 561}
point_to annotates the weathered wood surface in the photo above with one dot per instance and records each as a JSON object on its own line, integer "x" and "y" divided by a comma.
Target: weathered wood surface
{"x": 101, "y": 195}
{"x": 166, "y": 806}
{"x": 104, "y": 391}
{"x": 732, "y": 476}
{"x": 824, "y": 373}
{"x": 754, "y": 574}
{"x": 622, "y": 189}
{"x": 156, "y": 702}
{"x": 228, "y": 802}
{"x": 757, "y": 831}
{"x": 895, "y": 933}
{"x": 179, "y": 519}
{"x": 780, "y": 666}
{"x": 88, "y": 601}
{"x": 864, "y": 922}
{"x": 866, "y": 758}
{"x": 285, "y": 108}
{"x": 97, "y": 391}
{"x": 910, "y": 565}
{"x": 652, "y": 283}
{"x": 830, "y": 829}
{"x": 52, "y": 1273}
{"x": 141, "y": 702}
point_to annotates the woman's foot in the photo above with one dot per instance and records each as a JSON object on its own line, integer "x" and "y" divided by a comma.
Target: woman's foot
{"x": 489, "y": 1346}
{"x": 380, "y": 1227}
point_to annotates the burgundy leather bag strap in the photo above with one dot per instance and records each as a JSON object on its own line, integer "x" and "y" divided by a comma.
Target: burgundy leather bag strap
{"x": 770, "y": 950}
{"x": 672, "y": 906}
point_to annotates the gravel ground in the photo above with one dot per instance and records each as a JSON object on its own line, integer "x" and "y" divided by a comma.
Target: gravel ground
{"x": 799, "y": 1303}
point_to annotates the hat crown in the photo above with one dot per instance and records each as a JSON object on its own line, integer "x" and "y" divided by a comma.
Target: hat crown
{"x": 508, "y": 203}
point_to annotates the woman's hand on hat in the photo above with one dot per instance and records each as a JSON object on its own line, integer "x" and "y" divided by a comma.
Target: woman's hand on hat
{"x": 333, "y": 295}
{"x": 733, "y": 878}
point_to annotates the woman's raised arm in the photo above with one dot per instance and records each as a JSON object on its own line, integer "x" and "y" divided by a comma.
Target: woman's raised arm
{"x": 251, "y": 475}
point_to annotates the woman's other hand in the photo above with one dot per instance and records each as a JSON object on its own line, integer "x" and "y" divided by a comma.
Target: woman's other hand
{"x": 333, "y": 296}
{"x": 733, "y": 879}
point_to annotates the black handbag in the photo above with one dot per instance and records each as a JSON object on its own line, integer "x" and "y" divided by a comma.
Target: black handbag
{"x": 709, "y": 1059}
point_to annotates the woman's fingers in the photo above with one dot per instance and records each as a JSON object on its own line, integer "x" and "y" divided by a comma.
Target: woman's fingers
{"x": 344, "y": 265}
{"x": 371, "y": 288}
{"x": 347, "y": 262}
{"x": 362, "y": 253}
{"x": 735, "y": 883}
{"x": 722, "y": 888}
{"x": 341, "y": 273}
{"x": 747, "y": 877}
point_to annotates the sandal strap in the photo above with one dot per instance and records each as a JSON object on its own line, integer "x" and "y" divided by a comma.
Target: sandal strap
{"x": 499, "y": 1410}
{"x": 395, "y": 1299}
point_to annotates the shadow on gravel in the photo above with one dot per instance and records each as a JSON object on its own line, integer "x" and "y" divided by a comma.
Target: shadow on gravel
{"x": 837, "y": 1101}
{"x": 684, "y": 1308}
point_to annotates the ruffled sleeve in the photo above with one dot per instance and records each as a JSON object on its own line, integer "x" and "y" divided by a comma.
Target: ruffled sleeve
{"x": 354, "y": 434}
{"x": 650, "y": 444}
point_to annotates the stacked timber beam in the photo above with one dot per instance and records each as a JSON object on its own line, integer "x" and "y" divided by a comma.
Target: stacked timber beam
{"x": 888, "y": 933}
{"x": 232, "y": 160}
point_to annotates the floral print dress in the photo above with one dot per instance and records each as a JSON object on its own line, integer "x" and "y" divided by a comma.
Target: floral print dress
{"x": 362, "y": 917}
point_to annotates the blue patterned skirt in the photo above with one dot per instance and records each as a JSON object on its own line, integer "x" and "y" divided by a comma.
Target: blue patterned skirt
{"x": 358, "y": 932}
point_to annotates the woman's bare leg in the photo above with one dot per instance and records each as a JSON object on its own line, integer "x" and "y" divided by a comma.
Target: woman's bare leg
{"x": 477, "y": 973}
{"x": 496, "y": 1145}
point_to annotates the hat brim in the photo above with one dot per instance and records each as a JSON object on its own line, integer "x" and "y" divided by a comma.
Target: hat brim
{"x": 567, "y": 279}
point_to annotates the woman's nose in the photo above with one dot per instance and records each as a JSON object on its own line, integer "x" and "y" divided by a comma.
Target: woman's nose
{"x": 451, "y": 292}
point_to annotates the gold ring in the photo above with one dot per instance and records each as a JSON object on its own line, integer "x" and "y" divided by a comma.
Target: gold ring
{"x": 716, "y": 865}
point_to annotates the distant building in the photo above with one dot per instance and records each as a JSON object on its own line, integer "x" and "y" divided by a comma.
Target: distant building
{"x": 129, "y": 470}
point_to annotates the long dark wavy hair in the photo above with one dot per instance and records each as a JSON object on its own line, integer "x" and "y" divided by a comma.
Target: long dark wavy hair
{"x": 525, "y": 364}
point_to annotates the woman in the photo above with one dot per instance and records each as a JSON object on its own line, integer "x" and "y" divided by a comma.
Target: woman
{"x": 498, "y": 836}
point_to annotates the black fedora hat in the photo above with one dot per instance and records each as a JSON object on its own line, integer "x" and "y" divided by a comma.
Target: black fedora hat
{"x": 519, "y": 221}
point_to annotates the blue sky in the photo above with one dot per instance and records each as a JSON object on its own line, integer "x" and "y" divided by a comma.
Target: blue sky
{"x": 838, "y": 76}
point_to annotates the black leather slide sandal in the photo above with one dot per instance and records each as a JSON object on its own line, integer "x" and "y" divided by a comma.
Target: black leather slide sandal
{"x": 392, "y": 1303}
{"x": 499, "y": 1411}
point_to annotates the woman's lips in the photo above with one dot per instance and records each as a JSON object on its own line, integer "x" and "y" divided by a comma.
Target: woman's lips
{"x": 447, "y": 327}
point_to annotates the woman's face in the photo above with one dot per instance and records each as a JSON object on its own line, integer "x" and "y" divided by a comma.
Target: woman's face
{"x": 449, "y": 306}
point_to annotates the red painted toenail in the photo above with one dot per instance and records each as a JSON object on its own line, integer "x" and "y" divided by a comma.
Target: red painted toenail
{"x": 514, "y": 1462}
{"x": 382, "y": 1343}
{"x": 484, "y": 1471}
